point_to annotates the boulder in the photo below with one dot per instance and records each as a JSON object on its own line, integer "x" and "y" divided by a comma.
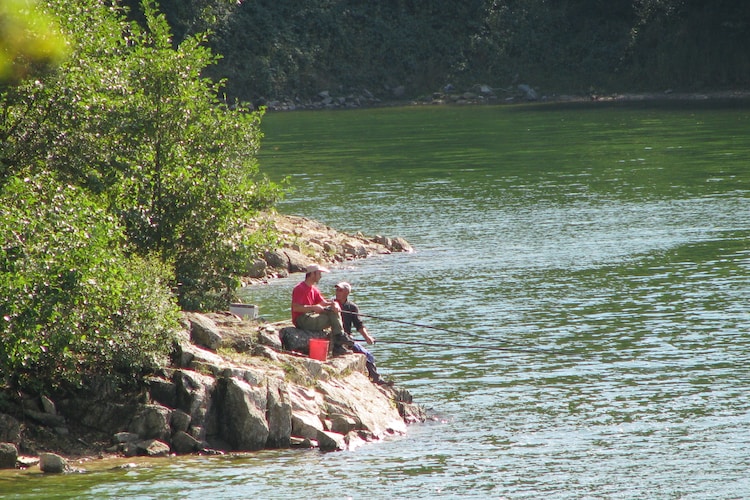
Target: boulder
{"x": 279, "y": 415}
{"x": 270, "y": 337}
{"x": 306, "y": 425}
{"x": 342, "y": 424}
{"x": 188, "y": 355}
{"x": 400, "y": 245}
{"x": 52, "y": 463}
{"x": 331, "y": 441}
{"x": 204, "y": 331}
{"x": 356, "y": 397}
{"x": 125, "y": 437}
{"x": 277, "y": 259}
{"x": 44, "y": 418}
{"x": 152, "y": 448}
{"x": 297, "y": 262}
{"x": 257, "y": 268}
{"x": 194, "y": 394}
{"x": 48, "y": 405}
{"x": 10, "y": 429}
{"x": 103, "y": 416}
{"x": 294, "y": 339}
{"x": 241, "y": 414}
{"x": 8, "y": 455}
{"x": 180, "y": 421}
{"x": 182, "y": 443}
{"x": 151, "y": 422}
{"x": 162, "y": 391}
{"x": 528, "y": 93}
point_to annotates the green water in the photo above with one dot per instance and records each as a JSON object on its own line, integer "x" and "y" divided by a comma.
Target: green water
{"x": 596, "y": 257}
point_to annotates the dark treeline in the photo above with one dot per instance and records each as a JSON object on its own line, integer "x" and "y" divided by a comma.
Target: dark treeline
{"x": 289, "y": 49}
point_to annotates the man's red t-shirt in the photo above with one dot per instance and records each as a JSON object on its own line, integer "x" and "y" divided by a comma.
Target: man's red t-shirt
{"x": 307, "y": 296}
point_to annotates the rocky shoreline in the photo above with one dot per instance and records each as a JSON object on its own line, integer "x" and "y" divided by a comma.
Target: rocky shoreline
{"x": 303, "y": 240}
{"x": 484, "y": 94}
{"x": 230, "y": 387}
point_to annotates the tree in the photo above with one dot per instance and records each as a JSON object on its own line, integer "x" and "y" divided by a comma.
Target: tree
{"x": 126, "y": 182}
{"x": 130, "y": 117}
{"x": 29, "y": 40}
{"x": 73, "y": 304}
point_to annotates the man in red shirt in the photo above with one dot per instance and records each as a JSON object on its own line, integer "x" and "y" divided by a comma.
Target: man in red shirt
{"x": 312, "y": 311}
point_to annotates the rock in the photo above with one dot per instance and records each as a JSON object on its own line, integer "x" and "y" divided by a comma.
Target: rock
{"x": 342, "y": 424}
{"x": 45, "y": 418}
{"x": 183, "y": 442}
{"x": 203, "y": 331}
{"x": 103, "y": 416}
{"x": 10, "y": 429}
{"x": 302, "y": 240}
{"x": 277, "y": 259}
{"x": 52, "y": 463}
{"x": 411, "y": 413}
{"x": 279, "y": 415}
{"x": 257, "y": 268}
{"x": 294, "y": 339}
{"x": 297, "y": 262}
{"x": 8, "y": 455}
{"x": 125, "y": 437}
{"x": 358, "y": 398}
{"x": 151, "y": 422}
{"x": 162, "y": 391}
{"x": 330, "y": 441}
{"x": 299, "y": 442}
{"x": 190, "y": 355}
{"x": 248, "y": 403}
{"x": 152, "y": 448}
{"x": 401, "y": 245}
{"x": 194, "y": 391}
{"x": 25, "y": 461}
{"x": 266, "y": 352}
{"x": 269, "y": 337}
{"x": 48, "y": 405}
{"x": 241, "y": 411}
{"x": 180, "y": 421}
{"x": 528, "y": 93}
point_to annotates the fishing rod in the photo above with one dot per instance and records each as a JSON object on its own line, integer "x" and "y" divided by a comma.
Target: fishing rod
{"x": 458, "y": 346}
{"x": 420, "y": 325}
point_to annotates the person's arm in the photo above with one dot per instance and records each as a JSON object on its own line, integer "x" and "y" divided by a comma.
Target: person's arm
{"x": 368, "y": 338}
{"x": 302, "y": 308}
{"x": 319, "y": 307}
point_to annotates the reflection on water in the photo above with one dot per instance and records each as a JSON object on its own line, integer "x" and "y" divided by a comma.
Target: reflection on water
{"x": 605, "y": 249}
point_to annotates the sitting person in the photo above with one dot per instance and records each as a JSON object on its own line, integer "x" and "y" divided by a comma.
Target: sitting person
{"x": 312, "y": 311}
{"x": 350, "y": 317}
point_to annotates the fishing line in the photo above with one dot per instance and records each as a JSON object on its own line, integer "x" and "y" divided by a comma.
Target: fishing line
{"x": 420, "y": 325}
{"x": 458, "y": 346}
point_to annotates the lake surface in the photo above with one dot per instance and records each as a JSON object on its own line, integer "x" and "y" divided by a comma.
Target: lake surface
{"x": 592, "y": 261}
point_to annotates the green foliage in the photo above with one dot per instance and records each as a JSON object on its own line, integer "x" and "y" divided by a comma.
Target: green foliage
{"x": 143, "y": 127}
{"x": 690, "y": 44}
{"x": 29, "y": 40}
{"x": 71, "y": 303}
{"x": 282, "y": 49}
{"x": 126, "y": 187}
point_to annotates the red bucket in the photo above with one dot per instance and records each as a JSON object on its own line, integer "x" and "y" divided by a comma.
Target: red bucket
{"x": 319, "y": 349}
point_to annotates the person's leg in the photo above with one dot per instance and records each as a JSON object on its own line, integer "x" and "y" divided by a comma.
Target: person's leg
{"x": 313, "y": 321}
{"x": 358, "y": 348}
{"x": 334, "y": 320}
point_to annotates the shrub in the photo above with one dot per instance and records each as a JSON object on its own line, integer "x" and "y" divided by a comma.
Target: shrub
{"x": 72, "y": 304}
